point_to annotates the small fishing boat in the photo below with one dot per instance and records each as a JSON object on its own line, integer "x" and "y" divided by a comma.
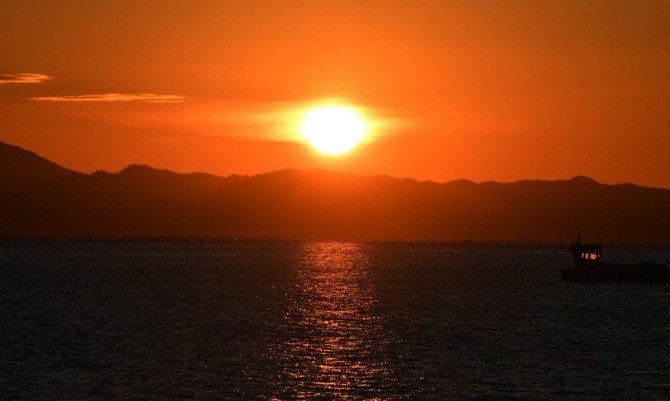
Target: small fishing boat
{"x": 589, "y": 267}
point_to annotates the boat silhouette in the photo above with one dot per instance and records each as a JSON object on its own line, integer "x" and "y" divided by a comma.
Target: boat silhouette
{"x": 590, "y": 267}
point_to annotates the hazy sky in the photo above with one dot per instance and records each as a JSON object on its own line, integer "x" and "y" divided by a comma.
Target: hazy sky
{"x": 483, "y": 90}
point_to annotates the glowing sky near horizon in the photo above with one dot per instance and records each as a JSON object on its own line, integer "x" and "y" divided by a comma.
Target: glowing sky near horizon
{"x": 482, "y": 90}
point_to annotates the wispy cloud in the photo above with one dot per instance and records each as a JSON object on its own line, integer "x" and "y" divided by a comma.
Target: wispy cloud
{"x": 274, "y": 121}
{"x": 24, "y": 78}
{"x": 114, "y": 97}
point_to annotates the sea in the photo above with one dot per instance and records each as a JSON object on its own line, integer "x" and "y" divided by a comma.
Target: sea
{"x": 215, "y": 319}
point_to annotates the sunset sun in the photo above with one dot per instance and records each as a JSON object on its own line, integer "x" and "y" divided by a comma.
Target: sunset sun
{"x": 333, "y": 129}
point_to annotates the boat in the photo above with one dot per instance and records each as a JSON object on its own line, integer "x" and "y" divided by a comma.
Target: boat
{"x": 590, "y": 267}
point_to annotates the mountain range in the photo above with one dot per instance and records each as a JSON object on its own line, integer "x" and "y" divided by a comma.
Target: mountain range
{"x": 42, "y": 199}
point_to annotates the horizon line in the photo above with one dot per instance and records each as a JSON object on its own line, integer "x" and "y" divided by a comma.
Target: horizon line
{"x": 290, "y": 169}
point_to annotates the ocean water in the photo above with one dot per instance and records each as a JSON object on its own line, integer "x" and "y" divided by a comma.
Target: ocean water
{"x": 291, "y": 320}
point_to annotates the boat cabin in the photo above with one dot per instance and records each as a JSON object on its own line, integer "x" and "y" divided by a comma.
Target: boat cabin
{"x": 586, "y": 254}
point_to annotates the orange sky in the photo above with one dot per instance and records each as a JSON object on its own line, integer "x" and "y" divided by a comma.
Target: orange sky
{"x": 483, "y": 90}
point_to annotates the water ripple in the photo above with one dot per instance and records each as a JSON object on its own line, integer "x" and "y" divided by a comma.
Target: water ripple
{"x": 332, "y": 340}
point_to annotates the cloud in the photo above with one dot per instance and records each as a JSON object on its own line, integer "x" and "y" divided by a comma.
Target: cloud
{"x": 114, "y": 97}
{"x": 274, "y": 121}
{"x": 24, "y": 78}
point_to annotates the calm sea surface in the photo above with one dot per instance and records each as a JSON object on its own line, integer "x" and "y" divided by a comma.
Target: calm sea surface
{"x": 281, "y": 320}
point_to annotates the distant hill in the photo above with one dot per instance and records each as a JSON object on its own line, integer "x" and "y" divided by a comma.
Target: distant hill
{"x": 40, "y": 198}
{"x": 21, "y": 167}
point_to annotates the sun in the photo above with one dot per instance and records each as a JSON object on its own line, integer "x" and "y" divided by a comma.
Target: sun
{"x": 333, "y": 129}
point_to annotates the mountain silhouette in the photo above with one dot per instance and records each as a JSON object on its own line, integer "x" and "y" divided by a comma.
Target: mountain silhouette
{"x": 19, "y": 167}
{"x": 41, "y": 198}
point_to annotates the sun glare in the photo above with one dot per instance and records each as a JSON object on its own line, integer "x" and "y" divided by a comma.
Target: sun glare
{"x": 333, "y": 129}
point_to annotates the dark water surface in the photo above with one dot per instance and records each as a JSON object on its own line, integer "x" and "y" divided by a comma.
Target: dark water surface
{"x": 280, "y": 320}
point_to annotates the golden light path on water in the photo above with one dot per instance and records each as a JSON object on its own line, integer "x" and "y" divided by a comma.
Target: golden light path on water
{"x": 334, "y": 343}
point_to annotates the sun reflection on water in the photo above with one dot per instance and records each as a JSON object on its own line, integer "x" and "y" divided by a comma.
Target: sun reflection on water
{"x": 333, "y": 343}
